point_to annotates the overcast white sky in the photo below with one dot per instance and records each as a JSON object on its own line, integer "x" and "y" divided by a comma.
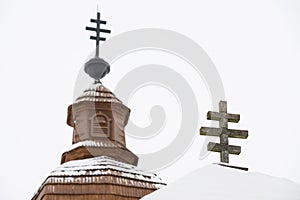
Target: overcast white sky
{"x": 255, "y": 46}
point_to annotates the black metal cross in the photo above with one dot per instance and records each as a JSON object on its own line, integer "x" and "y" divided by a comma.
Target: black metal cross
{"x": 223, "y": 132}
{"x": 98, "y": 30}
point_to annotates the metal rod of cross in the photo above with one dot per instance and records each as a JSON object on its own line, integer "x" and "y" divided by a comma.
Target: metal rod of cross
{"x": 223, "y": 132}
{"x": 98, "y": 30}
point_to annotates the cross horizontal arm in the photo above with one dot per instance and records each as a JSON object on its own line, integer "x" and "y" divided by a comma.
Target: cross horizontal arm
{"x": 232, "y": 133}
{"x": 90, "y": 29}
{"x": 95, "y": 29}
{"x": 104, "y": 30}
{"x": 241, "y": 134}
{"x": 210, "y": 131}
{"x": 95, "y": 38}
{"x": 98, "y": 21}
{"x": 232, "y": 149}
{"x": 217, "y": 116}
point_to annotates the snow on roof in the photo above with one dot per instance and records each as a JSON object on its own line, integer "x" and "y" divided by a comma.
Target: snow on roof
{"x": 98, "y": 93}
{"x": 102, "y": 169}
{"x": 92, "y": 143}
{"x": 104, "y": 165}
{"x": 215, "y": 182}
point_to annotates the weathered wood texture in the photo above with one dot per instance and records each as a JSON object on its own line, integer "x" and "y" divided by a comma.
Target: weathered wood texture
{"x": 232, "y": 133}
{"x": 91, "y": 192}
{"x": 217, "y": 116}
{"x": 231, "y": 149}
{"x": 223, "y": 132}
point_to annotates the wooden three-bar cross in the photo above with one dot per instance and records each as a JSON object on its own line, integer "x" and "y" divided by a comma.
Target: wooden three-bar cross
{"x": 223, "y": 132}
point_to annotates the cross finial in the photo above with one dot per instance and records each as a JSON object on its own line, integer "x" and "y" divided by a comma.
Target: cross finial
{"x": 97, "y": 67}
{"x": 98, "y": 30}
{"x": 223, "y": 132}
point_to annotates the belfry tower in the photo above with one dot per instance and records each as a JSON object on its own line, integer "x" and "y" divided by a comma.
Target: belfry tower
{"x": 98, "y": 165}
{"x": 98, "y": 119}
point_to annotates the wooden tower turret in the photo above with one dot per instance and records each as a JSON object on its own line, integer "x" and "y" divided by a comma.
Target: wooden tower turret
{"x": 98, "y": 119}
{"x": 98, "y": 165}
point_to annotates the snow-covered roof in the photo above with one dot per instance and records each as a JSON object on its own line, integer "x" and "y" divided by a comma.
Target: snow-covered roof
{"x": 215, "y": 182}
{"x": 101, "y": 170}
{"x": 72, "y": 171}
{"x": 98, "y": 93}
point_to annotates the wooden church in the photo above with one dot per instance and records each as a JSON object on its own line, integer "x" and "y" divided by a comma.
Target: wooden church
{"x": 98, "y": 165}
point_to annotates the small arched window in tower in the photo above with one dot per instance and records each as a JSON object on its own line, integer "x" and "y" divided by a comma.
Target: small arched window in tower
{"x": 100, "y": 125}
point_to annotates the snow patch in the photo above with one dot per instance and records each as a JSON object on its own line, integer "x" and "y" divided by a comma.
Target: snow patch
{"x": 91, "y": 143}
{"x": 215, "y": 182}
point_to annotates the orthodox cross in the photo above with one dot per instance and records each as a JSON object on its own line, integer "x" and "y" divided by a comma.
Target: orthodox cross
{"x": 223, "y": 132}
{"x": 98, "y": 30}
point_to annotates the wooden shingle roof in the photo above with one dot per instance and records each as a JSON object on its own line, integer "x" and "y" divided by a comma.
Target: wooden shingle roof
{"x": 98, "y": 178}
